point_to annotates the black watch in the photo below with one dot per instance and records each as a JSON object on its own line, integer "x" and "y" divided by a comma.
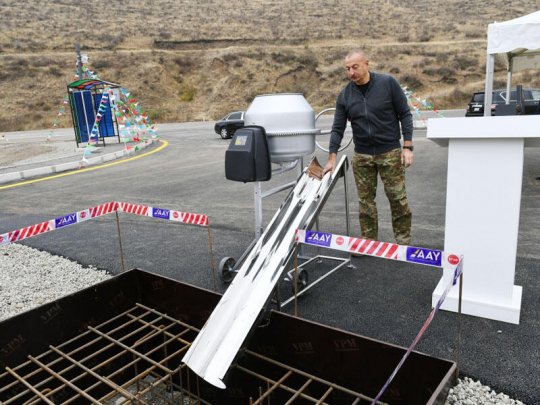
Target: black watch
{"x": 411, "y": 148}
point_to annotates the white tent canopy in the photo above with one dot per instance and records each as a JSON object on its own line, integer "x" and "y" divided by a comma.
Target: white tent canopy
{"x": 519, "y": 39}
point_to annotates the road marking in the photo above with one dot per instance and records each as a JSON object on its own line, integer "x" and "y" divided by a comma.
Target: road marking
{"x": 88, "y": 169}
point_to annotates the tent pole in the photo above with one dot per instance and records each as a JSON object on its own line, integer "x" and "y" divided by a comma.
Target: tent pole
{"x": 490, "y": 68}
{"x": 85, "y": 117}
{"x": 509, "y": 77}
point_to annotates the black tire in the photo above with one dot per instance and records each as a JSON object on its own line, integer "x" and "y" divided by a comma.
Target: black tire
{"x": 224, "y": 133}
{"x": 302, "y": 281}
{"x": 226, "y": 269}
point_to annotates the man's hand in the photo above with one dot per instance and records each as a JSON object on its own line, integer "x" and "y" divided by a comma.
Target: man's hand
{"x": 407, "y": 157}
{"x": 330, "y": 166}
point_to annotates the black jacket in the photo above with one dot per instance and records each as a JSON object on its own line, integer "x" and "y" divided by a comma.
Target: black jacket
{"x": 374, "y": 118}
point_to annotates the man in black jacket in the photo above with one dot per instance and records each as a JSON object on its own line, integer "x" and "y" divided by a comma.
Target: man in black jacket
{"x": 375, "y": 105}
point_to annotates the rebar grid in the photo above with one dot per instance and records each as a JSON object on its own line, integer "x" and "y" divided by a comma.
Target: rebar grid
{"x": 134, "y": 358}
{"x": 325, "y": 387}
{"x": 104, "y": 361}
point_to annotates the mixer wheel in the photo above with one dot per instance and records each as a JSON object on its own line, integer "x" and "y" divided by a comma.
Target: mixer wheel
{"x": 226, "y": 268}
{"x": 302, "y": 281}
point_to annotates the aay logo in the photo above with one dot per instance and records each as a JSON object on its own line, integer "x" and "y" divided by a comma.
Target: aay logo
{"x": 69, "y": 219}
{"x": 161, "y": 213}
{"x": 430, "y": 257}
{"x": 318, "y": 238}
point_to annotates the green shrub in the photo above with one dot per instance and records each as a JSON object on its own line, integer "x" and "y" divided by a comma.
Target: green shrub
{"x": 188, "y": 93}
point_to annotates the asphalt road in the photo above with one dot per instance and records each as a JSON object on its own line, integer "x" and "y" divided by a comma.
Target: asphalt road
{"x": 379, "y": 299}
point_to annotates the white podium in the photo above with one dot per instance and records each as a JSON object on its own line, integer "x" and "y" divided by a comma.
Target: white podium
{"x": 485, "y": 169}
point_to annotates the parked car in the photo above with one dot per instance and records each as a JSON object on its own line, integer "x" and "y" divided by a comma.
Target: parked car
{"x": 227, "y": 126}
{"x": 476, "y": 105}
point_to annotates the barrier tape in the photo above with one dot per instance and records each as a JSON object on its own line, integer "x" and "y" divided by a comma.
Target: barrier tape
{"x": 163, "y": 213}
{"x": 457, "y": 273}
{"x": 392, "y": 251}
{"x": 385, "y": 250}
{"x": 100, "y": 210}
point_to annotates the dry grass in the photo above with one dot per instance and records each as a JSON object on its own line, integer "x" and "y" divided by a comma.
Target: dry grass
{"x": 188, "y": 60}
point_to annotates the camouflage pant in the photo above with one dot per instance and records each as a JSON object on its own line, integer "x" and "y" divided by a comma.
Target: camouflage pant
{"x": 392, "y": 172}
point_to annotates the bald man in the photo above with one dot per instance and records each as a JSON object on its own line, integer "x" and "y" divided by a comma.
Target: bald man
{"x": 375, "y": 105}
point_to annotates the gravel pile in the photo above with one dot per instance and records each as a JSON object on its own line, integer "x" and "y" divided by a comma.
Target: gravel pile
{"x": 29, "y": 278}
{"x": 470, "y": 392}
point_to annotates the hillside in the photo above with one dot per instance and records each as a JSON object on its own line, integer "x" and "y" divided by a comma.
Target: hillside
{"x": 187, "y": 60}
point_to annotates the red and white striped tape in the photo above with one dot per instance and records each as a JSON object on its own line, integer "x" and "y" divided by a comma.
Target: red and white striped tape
{"x": 385, "y": 250}
{"x": 373, "y": 248}
{"x": 188, "y": 218}
{"x": 136, "y": 209}
{"x": 28, "y": 232}
{"x": 171, "y": 215}
{"x": 103, "y": 209}
{"x": 99, "y": 210}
